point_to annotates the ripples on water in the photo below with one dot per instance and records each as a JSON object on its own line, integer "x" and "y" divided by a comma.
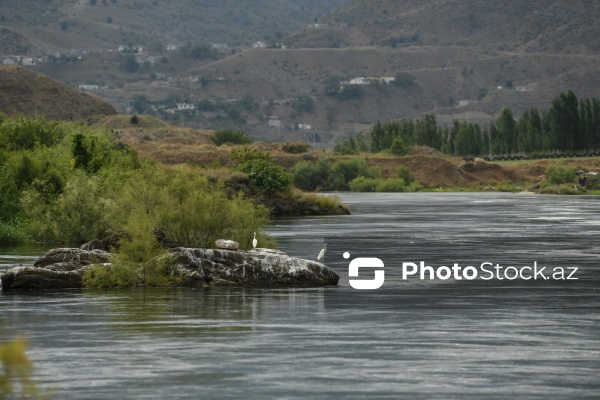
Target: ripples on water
{"x": 416, "y": 340}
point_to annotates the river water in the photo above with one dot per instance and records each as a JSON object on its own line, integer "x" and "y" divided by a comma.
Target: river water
{"x": 411, "y": 338}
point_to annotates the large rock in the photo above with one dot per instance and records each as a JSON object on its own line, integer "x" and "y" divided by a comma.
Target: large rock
{"x": 41, "y": 278}
{"x": 80, "y": 256}
{"x": 227, "y": 244}
{"x": 57, "y": 269}
{"x": 112, "y": 242}
{"x": 64, "y": 269}
{"x": 258, "y": 267}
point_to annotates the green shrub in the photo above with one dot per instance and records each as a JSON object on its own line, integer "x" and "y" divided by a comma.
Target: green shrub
{"x": 398, "y": 147}
{"x": 11, "y": 233}
{"x": 363, "y": 184}
{"x": 310, "y": 176}
{"x": 344, "y": 171}
{"x": 266, "y": 177}
{"x": 295, "y": 147}
{"x": 99, "y": 276}
{"x": 325, "y": 202}
{"x": 229, "y": 136}
{"x": 91, "y": 152}
{"x": 345, "y": 149}
{"x": 244, "y": 154}
{"x": 405, "y": 174}
{"x": 29, "y": 133}
{"x": 391, "y": 185}
{"x": 185, "y": 207}
{"x": 76, "y": 215}
{"x": 138, "y": 261}
{"x": 558, "y": 175}
{"x": 414, "y": 187}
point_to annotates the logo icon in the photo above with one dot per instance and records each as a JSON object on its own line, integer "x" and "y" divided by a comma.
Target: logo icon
{"x": 365, "y": 284}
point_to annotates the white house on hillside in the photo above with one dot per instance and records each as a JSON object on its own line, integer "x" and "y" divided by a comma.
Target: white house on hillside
{"x": 28, "y": 61}
{"x": 185, "y": 106}
{"x": 259, "y": 45}
{"x": 361, "y": 80}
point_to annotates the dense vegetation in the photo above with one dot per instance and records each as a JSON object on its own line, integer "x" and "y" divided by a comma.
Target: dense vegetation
{"x": 229, "y": 136}
{"x": 264, "y": 176}
{"x": 65, "y": 182}
{"x": 569, "y": 125}
{"x": 352, "y": 174}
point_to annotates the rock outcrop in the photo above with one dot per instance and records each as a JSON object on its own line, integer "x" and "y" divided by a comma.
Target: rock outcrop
{"x": 107, "y": 244}
{"x": 258, "y": 267}
{"x": 57, "y": 269}
{"x": 64, "y": 269}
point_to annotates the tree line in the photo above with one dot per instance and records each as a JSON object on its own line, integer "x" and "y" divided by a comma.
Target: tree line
{"x": 569, "y": 125}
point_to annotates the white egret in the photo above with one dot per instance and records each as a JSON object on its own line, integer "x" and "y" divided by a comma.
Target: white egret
{"x": 254, "y": 241}
{"x": 322, "y": 253}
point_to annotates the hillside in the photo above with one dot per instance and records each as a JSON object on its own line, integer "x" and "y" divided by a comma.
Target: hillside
{"x": 34, "y": 28}
{"x": 548, "y": 26}
{"x": 449, "y": 82}
{"x": 24, "y": 92}
{"x": 461, "y": 60}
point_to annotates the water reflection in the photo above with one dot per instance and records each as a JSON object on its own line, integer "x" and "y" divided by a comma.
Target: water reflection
{"x": 14, "y": 255}
{"x": 178, "y": 312}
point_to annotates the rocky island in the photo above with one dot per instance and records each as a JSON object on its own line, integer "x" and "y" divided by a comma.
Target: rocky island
{"x": 63, "y": 268}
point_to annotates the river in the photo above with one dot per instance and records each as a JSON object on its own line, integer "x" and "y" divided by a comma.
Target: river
{"x": 411, "y": 338}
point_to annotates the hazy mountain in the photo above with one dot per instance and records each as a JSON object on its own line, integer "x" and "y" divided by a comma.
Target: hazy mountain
{"x": 464, "y": 59}
{"x": 570, "y": 27}
{"x": 29, "y": 26}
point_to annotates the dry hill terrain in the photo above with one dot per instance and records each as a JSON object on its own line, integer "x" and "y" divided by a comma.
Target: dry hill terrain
{"x": 24, "y": 92}
{"x": 34, "y": 27}
{"x": 458, "y": 59}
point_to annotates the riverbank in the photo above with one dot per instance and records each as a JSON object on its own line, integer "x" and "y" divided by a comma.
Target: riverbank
{"x": 431, "y": 169}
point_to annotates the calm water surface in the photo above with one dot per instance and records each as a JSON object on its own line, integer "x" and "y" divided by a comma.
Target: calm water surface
{"x": 410, "y": 339}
